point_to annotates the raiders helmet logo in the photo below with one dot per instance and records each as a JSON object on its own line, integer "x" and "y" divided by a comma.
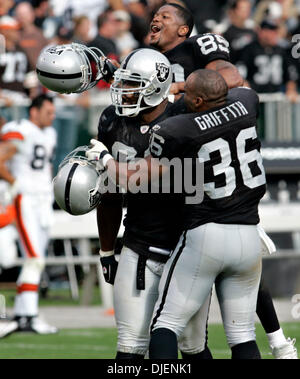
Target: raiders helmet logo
{"x": 162, "y": 71}
{"x": 93, "y": 199}
{"x": 53, "y": 50}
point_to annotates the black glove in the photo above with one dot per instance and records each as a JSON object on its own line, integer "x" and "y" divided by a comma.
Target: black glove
{"x": 107, "y": 69}
{"x": 109, "y": 268}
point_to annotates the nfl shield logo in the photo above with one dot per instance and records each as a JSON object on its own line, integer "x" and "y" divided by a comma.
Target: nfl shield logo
{"x": 144, "y": 129}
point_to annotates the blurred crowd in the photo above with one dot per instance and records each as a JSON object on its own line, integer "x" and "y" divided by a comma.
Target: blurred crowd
{"x": 259, "y": 32}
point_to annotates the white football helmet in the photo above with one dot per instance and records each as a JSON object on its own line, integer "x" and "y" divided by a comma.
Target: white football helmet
{"x": 142, "y": 81}
{"x": 70, "y": 68}
{"x": 77, "y": 183}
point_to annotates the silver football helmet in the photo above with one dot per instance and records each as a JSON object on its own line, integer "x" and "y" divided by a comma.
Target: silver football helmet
{"x": 70, "y": 68}
{"x": 142, "y": 81}
{"x": 76, "y": 184}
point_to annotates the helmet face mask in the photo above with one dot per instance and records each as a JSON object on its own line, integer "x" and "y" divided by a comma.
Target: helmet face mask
{"x": 76, "y": 183}
{"x": 71, "y": 68}
{"x": 143, "y": 81}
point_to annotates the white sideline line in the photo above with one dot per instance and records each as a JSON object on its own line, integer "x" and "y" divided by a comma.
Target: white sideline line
{"x": 66, "y": 348}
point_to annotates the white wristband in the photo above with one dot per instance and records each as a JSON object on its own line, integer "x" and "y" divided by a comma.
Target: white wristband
{"x": 106, "y": 253}
{"x": 106, "y": 158}
{"x": 171, "y": 98}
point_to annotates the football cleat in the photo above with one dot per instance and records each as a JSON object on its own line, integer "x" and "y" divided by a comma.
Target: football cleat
{"x": 285, "y": 351}
{"x": 35, "y": 325}
{"x": 8, "y": 327}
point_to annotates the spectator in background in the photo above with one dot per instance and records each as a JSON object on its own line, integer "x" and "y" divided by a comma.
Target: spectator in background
{"x": 284, "y": 12}
{"x": 82, "y": 26}
{"x": 62, "y": 36}
{"x": 31, "y": 40}
{"x": 41, "y": 11}
{"x": 268, "y": 65}
{"x": 107, "y": 26}
{"x": 5, "y": 6}
{"x": 240, "y": 29}
{"x": 14, "y": 62}
{"x": 124, "y": 40}
{"x": 206, "y": 13}
{"x": 107, "y": 32}
{"x": 140, "y": 19}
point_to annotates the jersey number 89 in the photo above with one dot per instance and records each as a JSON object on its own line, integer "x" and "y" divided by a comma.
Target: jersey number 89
{"x": 212, "y": 42}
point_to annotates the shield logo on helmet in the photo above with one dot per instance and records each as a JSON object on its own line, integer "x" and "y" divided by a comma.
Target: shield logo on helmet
{"x": 162, "y": 71}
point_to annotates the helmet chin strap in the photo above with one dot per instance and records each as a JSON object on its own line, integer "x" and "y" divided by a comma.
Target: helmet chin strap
{"x": 136, "y": 113}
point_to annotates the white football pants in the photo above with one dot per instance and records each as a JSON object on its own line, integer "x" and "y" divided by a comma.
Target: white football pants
{"x": 134, "y": 308}
{"x": 227, "y": 255}
{"x": 8, "y": 247}
{"x": 33, "y": 217}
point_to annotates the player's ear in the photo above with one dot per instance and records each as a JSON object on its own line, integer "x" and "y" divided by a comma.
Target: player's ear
{"x": 183, "y": 30}
{"x": 198, "y": 102}
{"x": 33, "y": 112}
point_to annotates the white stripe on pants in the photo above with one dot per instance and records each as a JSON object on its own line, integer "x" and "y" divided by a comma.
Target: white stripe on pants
{"x": 134, "y": 308}
{"x": 230, "y": 256}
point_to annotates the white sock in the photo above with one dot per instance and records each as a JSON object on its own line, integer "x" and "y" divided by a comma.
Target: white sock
{"x": 26, "y": 304}
{"x": 276, "y": 338}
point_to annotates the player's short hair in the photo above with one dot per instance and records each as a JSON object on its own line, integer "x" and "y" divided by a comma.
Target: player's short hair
{"x": 39, "y": 100}
{"x": 186, "y": 15}
{"x": 210, "y": 85}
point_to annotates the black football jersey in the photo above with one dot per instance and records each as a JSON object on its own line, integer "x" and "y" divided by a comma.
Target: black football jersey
{"x": 151, "y": 219}
{"x": 195, "y": 53}
{"x": 14, "y": 66}
{"x": 238, "y": 39}
{"x": 268, "y": 68}
{"x": 225, "y": 139}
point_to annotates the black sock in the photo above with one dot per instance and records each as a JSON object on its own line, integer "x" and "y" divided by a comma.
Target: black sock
{"x": 163, "y": 344}
{"x": 246, "y": 350}
{"x": 204, "y": 354}
{"x": 265, "y": 309}
{"x": 121, "y": 355}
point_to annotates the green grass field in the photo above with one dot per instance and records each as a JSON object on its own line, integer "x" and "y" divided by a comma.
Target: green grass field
{"x": 100, "y": 343}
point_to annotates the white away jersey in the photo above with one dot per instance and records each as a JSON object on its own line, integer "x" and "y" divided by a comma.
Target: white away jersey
{"x": 32, "y": 164}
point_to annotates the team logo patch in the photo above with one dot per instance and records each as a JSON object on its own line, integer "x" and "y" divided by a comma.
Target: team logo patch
{"x": 162, "y": 71}
{"x": 93, "y": 199}
{"x": 144, "y": 129}
{"x": 155, "y": 128}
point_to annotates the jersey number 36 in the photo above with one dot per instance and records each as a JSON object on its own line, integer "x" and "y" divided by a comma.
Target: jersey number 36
{"x": 227, "y": 168}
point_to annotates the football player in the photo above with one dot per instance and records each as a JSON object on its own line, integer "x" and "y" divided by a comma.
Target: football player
{"x": 8, "y": 248}
{"x": 233, "y": 188}
{"x": 26, "y": 152}
{"x": 139, "y": 95}
{"x": 220, "y": 243}
{"x": 170, "y": 32}
{"x": 151, "y": 226}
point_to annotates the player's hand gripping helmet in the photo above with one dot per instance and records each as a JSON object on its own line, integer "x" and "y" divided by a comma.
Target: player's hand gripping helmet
{"x": 77, "y": 183}
{"x": 70, "y": 68}
{"x": 142, "y": 81}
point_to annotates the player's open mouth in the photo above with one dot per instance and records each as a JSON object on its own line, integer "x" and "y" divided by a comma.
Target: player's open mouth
{"x": 155, "y": 29}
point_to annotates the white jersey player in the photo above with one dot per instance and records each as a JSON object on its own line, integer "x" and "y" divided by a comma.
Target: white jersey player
{"x": 26, "y": 153}
{"x": 8, "y": 248}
